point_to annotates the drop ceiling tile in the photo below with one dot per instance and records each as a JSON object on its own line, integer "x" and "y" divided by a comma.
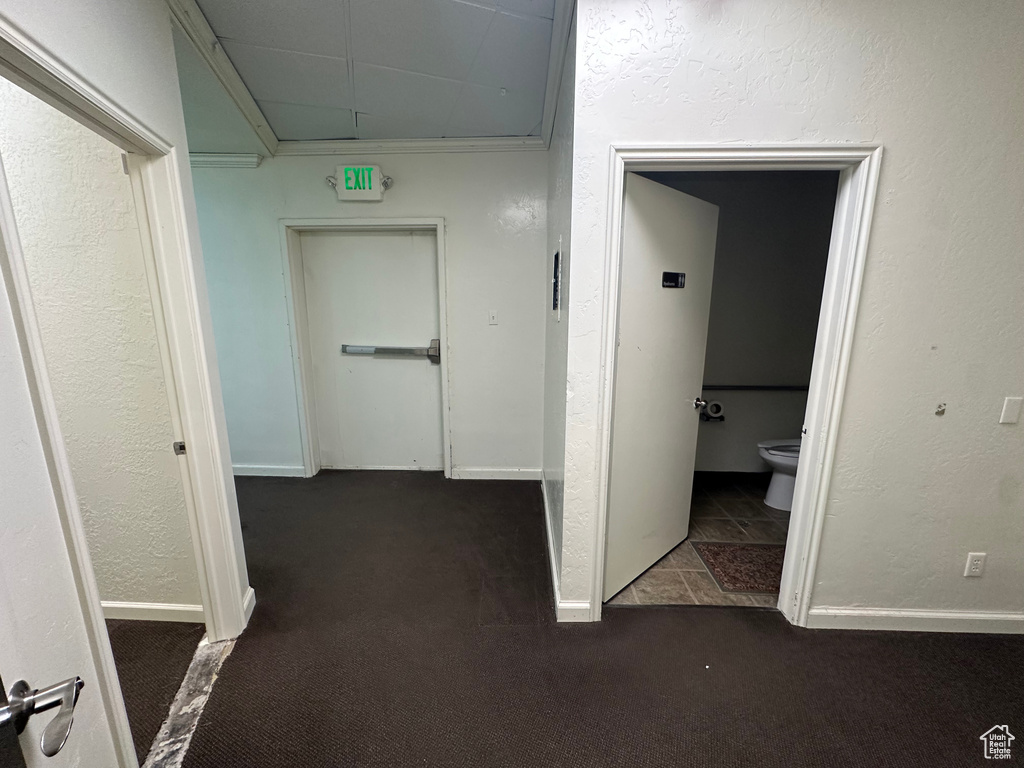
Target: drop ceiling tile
{"x": 296, "y": 122}
{"x": 293, "y": 78}
{"x": 435, "y": 37}
{"x": 544, "y": 9}
{"x": 514, "y": 54}
{"x": 410, "y": 96}
{"x": 377, "y": 127}
{"x": 482, "y": 110}
{"x": 310, "y": 26}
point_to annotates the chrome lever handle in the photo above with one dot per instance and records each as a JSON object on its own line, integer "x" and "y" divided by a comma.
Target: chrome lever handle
{"x": 24, "y": 702}
{"x": 698, "y": 403}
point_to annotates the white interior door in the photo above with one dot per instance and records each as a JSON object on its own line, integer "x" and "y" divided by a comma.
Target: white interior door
{"x": 374, "y": 289}
{"x": 51, "y": 624}
{"x": 659, "y": 372}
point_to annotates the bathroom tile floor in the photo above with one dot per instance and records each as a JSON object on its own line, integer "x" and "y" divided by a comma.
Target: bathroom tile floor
{"x": 726, "y": 507}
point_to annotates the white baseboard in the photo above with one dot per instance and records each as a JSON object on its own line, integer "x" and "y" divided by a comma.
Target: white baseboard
{"x": 113, "y": 609}
{"x": 496, "y": 473}
{"x": 565, "y": 610}
{"x": 915, "y": 620}
{"x": 268, "y": 470}
{"x": 248, "y": 604}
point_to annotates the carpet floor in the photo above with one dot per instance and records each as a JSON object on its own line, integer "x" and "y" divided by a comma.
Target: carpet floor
{"x": 406, "y": 620}
{"x": 151, "y": 659}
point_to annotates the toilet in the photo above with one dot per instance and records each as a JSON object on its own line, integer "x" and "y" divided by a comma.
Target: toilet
{"x": 782, "y": 456}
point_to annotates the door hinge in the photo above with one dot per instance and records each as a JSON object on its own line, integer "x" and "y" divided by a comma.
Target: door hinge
{"x": 124, "y": 164}
{"x": 179, "y": 447}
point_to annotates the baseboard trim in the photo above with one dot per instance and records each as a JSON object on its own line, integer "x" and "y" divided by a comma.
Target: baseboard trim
{"x": 496, "y": 473}
{"x": 565, "y": 610}
{"x": 915, "y": 620}
{"x": 248, "y": 604}
{"x": 113, "y": 609}
{"x": 268, "y": 470}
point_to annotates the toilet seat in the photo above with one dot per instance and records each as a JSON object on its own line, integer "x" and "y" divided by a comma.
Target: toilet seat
{"x": 788, "y": 451}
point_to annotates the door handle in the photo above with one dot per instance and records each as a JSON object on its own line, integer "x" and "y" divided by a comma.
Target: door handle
{"x": 25, "y": 702}
{"x": 432, "y": 353}
{"x": 698, "y": 404}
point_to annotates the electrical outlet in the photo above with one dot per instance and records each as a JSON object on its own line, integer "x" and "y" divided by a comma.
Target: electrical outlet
{"x": 975, "y": 564}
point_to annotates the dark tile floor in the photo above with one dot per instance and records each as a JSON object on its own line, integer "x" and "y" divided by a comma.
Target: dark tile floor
{"x": 727, "y": 507}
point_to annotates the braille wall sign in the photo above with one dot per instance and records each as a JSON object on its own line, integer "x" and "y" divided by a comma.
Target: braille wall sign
{"x": 673, "y": 279}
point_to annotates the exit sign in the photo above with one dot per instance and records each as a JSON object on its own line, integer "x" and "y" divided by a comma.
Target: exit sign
{"x": 359, "y": 182}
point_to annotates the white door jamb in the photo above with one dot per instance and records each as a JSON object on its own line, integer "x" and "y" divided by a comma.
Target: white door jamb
{"x": 859, "y": 167}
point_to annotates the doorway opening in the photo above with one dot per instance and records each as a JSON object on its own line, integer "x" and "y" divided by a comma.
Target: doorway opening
{"x": 367, "y": 302}
{"x": 652, "y": 402}
{"x": 79, "y": 209}
{"x": 769, "y": 257}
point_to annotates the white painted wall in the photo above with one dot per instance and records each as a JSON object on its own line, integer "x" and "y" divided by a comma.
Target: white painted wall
{"x": 79, "y": 230}
{"x": 125, "y": 52}
{"x": 494, "y": 208}
{"x": 938, "y": 85}
{"x": 557, "y": 324}
{"x": 213, "y": 121}
{"x": 773, "y": 238}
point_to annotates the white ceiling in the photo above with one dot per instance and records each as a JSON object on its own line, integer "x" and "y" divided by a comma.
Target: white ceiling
{"x": 390, "y": 69}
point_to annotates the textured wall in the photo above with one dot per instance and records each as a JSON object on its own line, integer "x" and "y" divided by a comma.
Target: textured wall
{"x": 494, "y": 209}
{"x": 557, "y": 327}
{"x": 938, "y": 84}
{"x": 77, "y": 224}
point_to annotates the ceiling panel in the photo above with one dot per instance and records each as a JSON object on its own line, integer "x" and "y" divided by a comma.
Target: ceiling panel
{"x": 410, "y": 96}
{"x": 409, "y": 68}
{"x": 514, "y": 54}
{"x": 435, "y": 37}
{"x": 295, "y": 122}
{"x": 545, "y": 9}
{"x": 377, "y": 127}
{"x": 294, "y": 78}
{"x": 310, "y": 26}
{"x": 482, "y": 110}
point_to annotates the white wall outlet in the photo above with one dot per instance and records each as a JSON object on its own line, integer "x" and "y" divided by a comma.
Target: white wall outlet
{"x": 975, "y": 564}
{"x": 492, "y": 317}
{"x": 1011, "y": 410}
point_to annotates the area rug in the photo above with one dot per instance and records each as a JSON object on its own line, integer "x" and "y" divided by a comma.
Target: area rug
{"x": 743, "y": 567}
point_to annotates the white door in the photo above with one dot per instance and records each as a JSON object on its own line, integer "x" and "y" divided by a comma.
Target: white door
{"x": 659, "y": 373}
{"x": 378, "y": 289}
{"x": 51, "y": 625}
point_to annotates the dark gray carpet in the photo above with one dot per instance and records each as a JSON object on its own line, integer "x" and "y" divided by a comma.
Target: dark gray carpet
{"x": 405, "y": 620}
{"x": 151, "y": 659}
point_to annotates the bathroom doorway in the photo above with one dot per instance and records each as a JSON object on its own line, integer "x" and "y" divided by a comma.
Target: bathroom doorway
{"x": 755, "y": 279}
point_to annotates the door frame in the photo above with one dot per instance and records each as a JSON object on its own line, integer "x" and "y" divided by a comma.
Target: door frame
{"x": 298, "y": 321}
{"x": 156, "y": 173}
{"x": 858, "y": 165}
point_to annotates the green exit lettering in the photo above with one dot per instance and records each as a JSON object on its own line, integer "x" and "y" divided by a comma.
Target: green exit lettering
{"x": 358, "y": 178}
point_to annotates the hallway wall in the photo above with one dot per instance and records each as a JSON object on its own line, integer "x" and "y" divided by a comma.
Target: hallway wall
{"x": 557, "y": 326}
{"x": 78, "y": 226}
{"x": 494, "y": 206}
{"x": 911, "y": 492}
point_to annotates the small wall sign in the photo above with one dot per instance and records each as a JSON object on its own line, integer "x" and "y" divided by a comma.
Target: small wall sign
{"x": 673, "y": 279}
{"x": 359, "y": 182}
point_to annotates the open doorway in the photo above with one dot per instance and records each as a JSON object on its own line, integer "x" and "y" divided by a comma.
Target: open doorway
{"x": 751, "y": 300}
{"x": 88, "y": 262}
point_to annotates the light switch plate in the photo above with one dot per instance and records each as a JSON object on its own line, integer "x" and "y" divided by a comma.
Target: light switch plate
{"x": 1011, "y": 410}
{"x": 492, "y": 317}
